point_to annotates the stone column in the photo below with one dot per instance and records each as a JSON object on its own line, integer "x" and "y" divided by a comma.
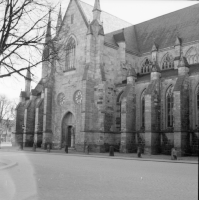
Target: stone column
{"x": 47, "y": 132}
{"x": 36, "y": 124}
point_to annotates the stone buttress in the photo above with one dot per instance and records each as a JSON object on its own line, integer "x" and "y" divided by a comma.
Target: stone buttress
{"x": 128, "y": 115}
{"x": 48, "y": 83}
{"x": 181, "y": 108}
{"x": 93, "y": 86}
{"x": 152, "y": 112}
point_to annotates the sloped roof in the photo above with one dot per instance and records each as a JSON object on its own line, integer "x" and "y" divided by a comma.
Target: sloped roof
{"x": 110, "y": 22}
{"x": 130, "y": 37}
{"x": 162, "y": 30}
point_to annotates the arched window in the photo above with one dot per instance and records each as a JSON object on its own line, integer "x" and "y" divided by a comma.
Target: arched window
{"x": 192, "y": 56}
{"x": 118, "y": 112}
{"x": 167, "y": 62}
{"x": 146, "y": 66}
{"x": 169, "y": 106}
{"x": 70, "y": 55}
{"x": 143, "y": 109}
{"x": 197, "y": 106}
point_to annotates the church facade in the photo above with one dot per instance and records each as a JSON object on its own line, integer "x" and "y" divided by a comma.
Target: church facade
{"x": 113, "y": 83}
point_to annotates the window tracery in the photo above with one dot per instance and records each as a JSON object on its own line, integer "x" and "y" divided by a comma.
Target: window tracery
{"x": 192, "y": 56}
{"x": 70, "y": 55}
{"x": 146, "y": 66}
{"x": 197, "y": 106}
{"x": 143, "y": 109}
{"x": 169, "y": 106}
{"x": 168, "y": 62}
{"x": 118, "y": 112}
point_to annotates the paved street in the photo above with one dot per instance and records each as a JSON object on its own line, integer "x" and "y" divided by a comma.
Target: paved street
{"x": 55, "y": 177}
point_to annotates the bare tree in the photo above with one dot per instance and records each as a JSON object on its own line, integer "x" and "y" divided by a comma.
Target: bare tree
{"x": 7, "y": 108}
{"x": 22, "y": 33}
{"x": 7, "y": 114}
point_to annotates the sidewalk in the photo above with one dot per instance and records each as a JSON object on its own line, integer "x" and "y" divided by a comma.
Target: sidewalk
{"x": 145, "y": 157}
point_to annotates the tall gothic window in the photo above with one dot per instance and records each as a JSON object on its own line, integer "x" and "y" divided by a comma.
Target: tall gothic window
{"x": 118, "y": 112}
{"x": 143, "y": 109}
{"x": 197, "y": 106}
{"x": 70, "y": 55}
{"x": 192, "y": 56}
{"x": 167, "y": 62}
{"x": 169, "y": 106}
{"x": 146, "y": 66}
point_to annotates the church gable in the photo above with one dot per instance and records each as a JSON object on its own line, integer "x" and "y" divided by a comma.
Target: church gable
{"x": 72, "y": 40}
{"x": 74, "y": 19}
{"x": 110, "y": 22}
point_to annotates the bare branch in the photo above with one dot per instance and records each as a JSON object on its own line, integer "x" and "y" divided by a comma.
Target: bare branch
{"x": 22, "y": 29}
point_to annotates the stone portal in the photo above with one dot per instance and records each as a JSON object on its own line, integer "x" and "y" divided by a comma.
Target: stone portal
{"x": 68, "y": 134}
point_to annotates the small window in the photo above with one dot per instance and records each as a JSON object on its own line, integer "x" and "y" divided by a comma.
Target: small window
{"x": 72, "y": 18}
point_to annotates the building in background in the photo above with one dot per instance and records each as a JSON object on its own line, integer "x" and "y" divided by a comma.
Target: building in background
{"x": 7, "y": 130}
{"x": 113, "y": 83}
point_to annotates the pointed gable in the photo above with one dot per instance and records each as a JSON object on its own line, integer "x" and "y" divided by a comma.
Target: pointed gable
{"x": 110, "y": 22}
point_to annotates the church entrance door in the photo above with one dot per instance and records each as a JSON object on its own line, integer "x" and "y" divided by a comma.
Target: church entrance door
{"x": 68, "y": 134}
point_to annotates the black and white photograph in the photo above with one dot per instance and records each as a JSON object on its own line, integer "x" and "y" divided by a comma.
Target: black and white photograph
{"x": 99, "y": 99}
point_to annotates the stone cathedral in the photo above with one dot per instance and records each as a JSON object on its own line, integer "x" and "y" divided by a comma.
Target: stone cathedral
{"x": 114, "y": 83}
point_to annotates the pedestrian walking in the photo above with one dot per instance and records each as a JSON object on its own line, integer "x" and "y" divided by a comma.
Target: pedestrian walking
{"x": 174, "y": 154}
{"x": 139, "y": 152}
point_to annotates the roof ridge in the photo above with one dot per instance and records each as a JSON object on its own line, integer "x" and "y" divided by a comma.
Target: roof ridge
{"x": 107, "y": 13}
{"x": 167, "y": 14}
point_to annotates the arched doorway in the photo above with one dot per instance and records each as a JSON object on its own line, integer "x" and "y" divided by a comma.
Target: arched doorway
{"x": 68, "y": 130}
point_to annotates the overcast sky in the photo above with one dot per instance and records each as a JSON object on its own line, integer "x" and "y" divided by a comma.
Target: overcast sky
{"x": 128, "y": 10}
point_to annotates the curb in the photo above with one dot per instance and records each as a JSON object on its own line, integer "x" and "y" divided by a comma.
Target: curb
{"x": 7, "y": 166}
{"x": 108, "y": 157}
{"x": 133, "y": 158}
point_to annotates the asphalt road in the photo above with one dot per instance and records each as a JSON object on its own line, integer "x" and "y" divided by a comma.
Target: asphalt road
{"x": 71, "y": 177}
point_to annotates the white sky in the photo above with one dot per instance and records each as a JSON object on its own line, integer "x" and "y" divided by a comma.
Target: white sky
{"x": 128, "y": 10}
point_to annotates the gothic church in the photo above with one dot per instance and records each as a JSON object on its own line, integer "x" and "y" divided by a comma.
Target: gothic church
{"x": 117, "y": 84}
